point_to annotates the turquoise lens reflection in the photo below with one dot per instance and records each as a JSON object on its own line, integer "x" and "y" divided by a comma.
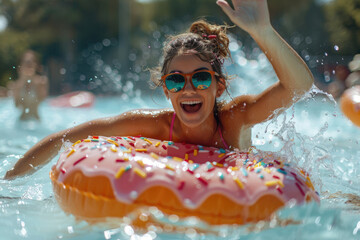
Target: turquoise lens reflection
{"x": 202, "y": 80}
{"x": 175, "y": 82}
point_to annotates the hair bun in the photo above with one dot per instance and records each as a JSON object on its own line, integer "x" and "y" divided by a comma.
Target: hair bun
{"x": 215, "y": 33}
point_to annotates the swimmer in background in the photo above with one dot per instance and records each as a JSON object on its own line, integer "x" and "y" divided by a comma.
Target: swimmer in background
{"x": 192, "y": 77}
{"x": 3, "y": 92}
{"x": 354, "y": 77}
{"x": 337, "y": 86}
{"x": 31, "y": 88}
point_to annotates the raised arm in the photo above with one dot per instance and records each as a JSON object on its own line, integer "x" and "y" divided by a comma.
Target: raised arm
{"x": 294, "y": 76}
{"x": 148, "y": 123}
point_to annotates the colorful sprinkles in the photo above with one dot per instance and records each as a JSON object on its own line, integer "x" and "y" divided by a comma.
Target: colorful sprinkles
{"x": 77, "y": 142}
{"x": 79, "y": 160}
{"x": 221, "y": 176}
{"x": 139, "y": 172}
{"x": 271, "y": 171}
{"x": 120, "y": 172}
{"x": 71, "y": 152}
{"x": 238, "y": 183}
{"x": 113, "y": 142}
{"x": 154, "y": 155}
{"x": 201, "y": 179}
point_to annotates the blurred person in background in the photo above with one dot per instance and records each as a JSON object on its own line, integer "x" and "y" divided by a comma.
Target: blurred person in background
{"x": 3, "y": 92}
{"x": 31, "y": 87}
{"x": 354, "y": 77}
{"x": 338, "y": 86}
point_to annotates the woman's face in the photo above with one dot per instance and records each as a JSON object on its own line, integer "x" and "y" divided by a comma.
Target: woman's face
{"x": 192, "y": 106}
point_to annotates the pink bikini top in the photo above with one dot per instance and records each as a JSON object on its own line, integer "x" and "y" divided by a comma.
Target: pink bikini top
{"x": 172, "y": 126}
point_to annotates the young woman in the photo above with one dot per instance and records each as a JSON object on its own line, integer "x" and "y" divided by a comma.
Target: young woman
{"x": 31, "y": 88}
{"x": 192, "y": 78}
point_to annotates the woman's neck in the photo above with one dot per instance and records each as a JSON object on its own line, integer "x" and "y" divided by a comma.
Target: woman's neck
{"x": 203, "y": 134}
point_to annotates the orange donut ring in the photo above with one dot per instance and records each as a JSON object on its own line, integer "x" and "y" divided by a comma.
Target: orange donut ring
{"x": 350, "y": 104}
{"x": 112, "y": 177}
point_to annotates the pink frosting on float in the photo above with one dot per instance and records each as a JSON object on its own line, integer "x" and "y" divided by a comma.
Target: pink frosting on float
{"x": 192, "y": 172}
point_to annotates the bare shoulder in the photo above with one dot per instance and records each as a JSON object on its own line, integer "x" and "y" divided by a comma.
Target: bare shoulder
{"x": 234, "y": 119}
{"x": 237, "y": 108}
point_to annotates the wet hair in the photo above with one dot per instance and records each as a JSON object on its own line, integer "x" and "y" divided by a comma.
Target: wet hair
{"x": 209, "y": 42}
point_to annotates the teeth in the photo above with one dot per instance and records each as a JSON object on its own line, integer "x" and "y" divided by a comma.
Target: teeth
{"x": 191, "y": 102}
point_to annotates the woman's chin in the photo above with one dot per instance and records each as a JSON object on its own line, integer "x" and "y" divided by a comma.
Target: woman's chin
{"x": 193, "y": 116}
{"x": 192, "y": 120}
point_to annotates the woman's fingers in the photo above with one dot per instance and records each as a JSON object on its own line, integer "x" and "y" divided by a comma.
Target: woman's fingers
{"x": 225, "y": 7}
{"x": 250, "y": 15}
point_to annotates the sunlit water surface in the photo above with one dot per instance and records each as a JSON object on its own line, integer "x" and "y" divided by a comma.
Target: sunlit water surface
{"x": 313, "y": 134}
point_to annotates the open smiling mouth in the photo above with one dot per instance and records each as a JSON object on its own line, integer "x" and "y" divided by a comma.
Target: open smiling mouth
{"x": 191, "y": 106}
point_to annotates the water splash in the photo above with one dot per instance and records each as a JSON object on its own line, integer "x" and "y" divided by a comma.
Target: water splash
{"x": 313, "y": 134}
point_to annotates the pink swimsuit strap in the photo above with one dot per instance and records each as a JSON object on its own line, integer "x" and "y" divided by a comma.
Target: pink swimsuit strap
{"x": 222, "y": 139}
{"x": 172, "y": 126}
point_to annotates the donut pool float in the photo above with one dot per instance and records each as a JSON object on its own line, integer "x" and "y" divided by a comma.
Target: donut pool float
{"x": 77, "y": 99}
{"x": 350, "y": 104}
{"x": 102, "y": 177}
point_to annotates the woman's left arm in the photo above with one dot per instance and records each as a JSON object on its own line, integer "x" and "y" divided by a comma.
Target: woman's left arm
{"x": 295, "y": 78}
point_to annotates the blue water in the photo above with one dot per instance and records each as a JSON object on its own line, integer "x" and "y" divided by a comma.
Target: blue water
{"x": 313, "y": 133}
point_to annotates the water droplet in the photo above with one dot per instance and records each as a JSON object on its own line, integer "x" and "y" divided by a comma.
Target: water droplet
{"x": 326, "y": 54}
{"x": 106, "y": 42}
{"x": 336, "y": 47}
{"x": 174, "y": 218}
{"x": 191, "y": 233}
{"x": 132, "y": 57}
{"x": 70, "y": 229}
{"x": 129, "y": 230}
{"x": 357, "y": 228}
{"x": 133, "y": 195}
{"x": 188, "y": 203}
{"x": 143, "y": 217}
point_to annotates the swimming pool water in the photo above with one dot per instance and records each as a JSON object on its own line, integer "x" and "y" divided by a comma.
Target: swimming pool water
{"x": 313, "y": 133}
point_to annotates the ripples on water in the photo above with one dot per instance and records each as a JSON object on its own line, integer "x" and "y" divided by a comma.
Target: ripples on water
{"x": 313, "y": 133}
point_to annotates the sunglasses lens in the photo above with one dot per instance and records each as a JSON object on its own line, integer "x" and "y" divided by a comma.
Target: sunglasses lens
{"x": 175, "y": 82}
{"x": 202, "y": 80}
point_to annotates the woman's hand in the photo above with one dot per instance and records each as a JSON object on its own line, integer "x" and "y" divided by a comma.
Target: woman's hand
{"x": 250, "y": 15}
